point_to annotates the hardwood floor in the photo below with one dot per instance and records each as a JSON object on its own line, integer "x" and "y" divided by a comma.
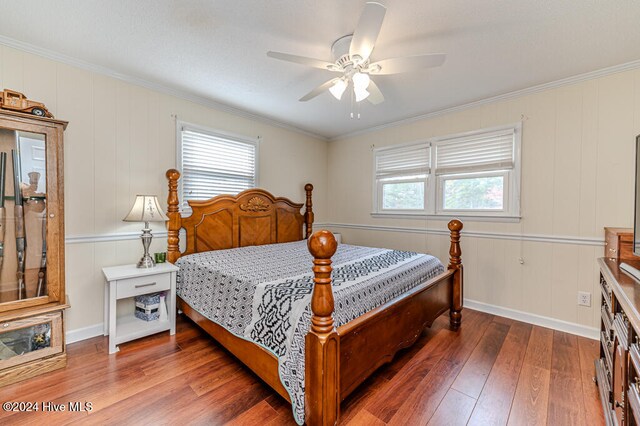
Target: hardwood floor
{"x": 495, "y": 371}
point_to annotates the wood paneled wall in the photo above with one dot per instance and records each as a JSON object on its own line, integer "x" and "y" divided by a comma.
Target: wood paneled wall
{"x": 577, "y": 177}
{"x": 120, "y": 141}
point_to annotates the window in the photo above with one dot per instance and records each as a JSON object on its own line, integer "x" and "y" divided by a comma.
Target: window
{"x": 401, "y": 177}
{"x": 473, "y": 174}
{"x": 214, "y": 163}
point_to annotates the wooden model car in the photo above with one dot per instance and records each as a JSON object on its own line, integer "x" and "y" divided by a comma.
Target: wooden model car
{"x": 10, "y": 99}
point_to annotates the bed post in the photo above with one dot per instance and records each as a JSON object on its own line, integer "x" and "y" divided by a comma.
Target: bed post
{"x": 308, "y": 214}
{"x": 455, "y": 264}
{"x": 174, "y": 222}
{"x": 322, "y": 345}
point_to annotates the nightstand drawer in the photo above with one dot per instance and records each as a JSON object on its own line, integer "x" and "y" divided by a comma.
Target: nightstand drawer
{"x": 130, "y": 287}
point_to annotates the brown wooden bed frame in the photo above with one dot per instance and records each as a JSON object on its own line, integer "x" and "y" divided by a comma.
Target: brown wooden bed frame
{"x": 335, "y": 362}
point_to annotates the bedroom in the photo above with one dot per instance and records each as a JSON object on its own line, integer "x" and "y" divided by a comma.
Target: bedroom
{"x": 563, "y": 75}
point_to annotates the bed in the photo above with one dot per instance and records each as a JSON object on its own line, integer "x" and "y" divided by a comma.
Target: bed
{"x": 286, "y": 320}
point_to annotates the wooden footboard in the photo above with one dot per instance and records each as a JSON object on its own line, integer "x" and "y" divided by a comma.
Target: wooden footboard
{"x": 389, "y": 328}
{"x": 338, "y": 360}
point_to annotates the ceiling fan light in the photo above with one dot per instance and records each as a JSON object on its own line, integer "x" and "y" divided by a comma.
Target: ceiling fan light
{"x": 361, "y": 94}
{"x": 361, "y": 80}
{"x": 338, "y": 88}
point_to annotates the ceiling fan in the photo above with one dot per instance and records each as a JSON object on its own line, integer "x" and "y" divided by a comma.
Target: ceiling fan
{"x": 352, "y": 56}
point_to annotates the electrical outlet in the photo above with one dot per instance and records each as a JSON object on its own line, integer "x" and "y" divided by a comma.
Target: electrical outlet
{"x": 584, "y": 298}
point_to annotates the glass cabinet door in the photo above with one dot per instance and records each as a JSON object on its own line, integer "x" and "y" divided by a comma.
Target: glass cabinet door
{"x": 23, "y": 213}
{"x": 26, "y": 339}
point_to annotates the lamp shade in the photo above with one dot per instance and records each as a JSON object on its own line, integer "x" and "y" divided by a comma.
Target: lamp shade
{"x": 146, "y": 209}
{"x": 361, "y": 94}
{"x": 361, "y": 81}
{"x": 338, "y": 88}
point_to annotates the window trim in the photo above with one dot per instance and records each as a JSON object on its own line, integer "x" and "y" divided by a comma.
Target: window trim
{"x": 182, "y": 125}
{"x": 433, "y": 199}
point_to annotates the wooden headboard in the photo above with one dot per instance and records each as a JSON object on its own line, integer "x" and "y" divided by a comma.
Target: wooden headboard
{"x": 253, "y": 217}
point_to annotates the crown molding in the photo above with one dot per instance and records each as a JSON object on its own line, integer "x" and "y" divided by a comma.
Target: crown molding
{"x": 505, "y": 96}
{"x": 210, "y": 103}
{"x": 148, "y": 84}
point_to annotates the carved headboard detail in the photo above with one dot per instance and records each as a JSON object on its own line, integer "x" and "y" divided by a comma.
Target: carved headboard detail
{"x": 253, "y": 217}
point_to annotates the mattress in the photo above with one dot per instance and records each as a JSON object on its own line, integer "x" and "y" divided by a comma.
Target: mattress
{"x": 263, "y": 294}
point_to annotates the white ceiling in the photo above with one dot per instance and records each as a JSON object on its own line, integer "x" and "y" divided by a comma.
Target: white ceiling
{"x": 217, "y": 49}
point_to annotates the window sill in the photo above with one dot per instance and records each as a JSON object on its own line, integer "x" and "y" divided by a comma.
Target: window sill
{"x": 471, "y": 217}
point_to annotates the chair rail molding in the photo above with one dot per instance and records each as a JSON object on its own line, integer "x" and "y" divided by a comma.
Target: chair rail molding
{"x": 542, "y": 238}
{"x": 113, "y": 236}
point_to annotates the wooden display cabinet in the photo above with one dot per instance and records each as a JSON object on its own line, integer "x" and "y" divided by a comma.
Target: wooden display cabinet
{"x": 32, "y": 275}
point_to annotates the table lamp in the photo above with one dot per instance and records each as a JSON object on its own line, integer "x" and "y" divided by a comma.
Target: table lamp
{"x": 146, "y": 209}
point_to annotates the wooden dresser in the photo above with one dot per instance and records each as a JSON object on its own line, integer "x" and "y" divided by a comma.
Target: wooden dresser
{"x": 618, "y": 243}
{"x": 618, "y": 368}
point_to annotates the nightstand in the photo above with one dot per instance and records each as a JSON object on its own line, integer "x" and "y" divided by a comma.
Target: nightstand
{"x": 127, "y": 281}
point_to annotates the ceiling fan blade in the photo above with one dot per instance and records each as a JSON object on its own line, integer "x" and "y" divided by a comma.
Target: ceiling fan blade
{"x": 316, "y": 63}
{"x": 318, "y": 90}
{"x": 408, "y": 63}
{"x": 375, "y": 95}
{"x": 366, "y": 33}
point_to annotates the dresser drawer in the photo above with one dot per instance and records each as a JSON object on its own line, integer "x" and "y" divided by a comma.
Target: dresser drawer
{"x": 618, "y": 243}
{"x": 634, "y": 401}
{"x": 607, "y": 320}
{"x": 610, "y": 245}
{"x": 603, "y": 378}
{"x": 606, "y": 294}
{"x": 634, "y": 355}
{"x": 621, "y": 330}
{"x": 130, "y": 287}
{"x": 607, "y": 349}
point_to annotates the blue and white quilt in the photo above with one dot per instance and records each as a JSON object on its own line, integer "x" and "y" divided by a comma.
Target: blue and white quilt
{"x": 263, "y": 294}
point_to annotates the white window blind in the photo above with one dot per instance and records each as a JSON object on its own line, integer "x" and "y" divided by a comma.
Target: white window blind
{"x": 488, "y": 151}
{"x": 406, "y": 161}
{"x": 467, "y": 174}
{"x": 214, "y": 164}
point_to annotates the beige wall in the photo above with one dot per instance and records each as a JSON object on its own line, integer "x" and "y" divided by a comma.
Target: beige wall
{"x": 119, "y": 143}
{"x": 577, "y": 177}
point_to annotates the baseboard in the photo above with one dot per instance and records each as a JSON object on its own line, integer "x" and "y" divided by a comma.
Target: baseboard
{"x": 84, "y": 333}
{"x": 555, "y": 324}
{"x": 72, "y": 336}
